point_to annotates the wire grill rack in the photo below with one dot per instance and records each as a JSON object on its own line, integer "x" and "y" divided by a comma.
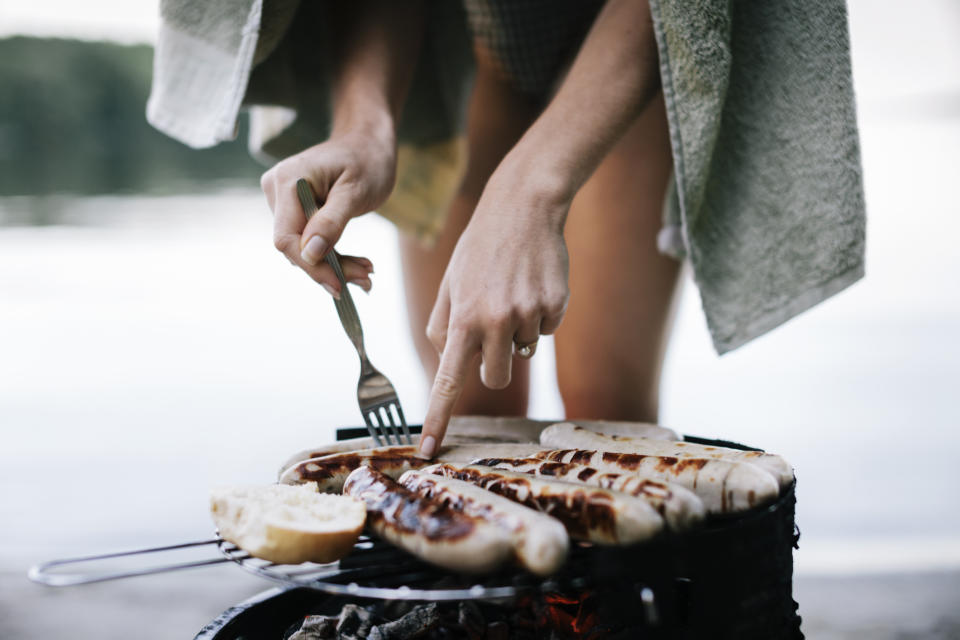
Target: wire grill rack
{"x": 375, "y": 569}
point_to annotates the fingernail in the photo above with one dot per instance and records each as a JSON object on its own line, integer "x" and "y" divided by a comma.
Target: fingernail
{"x": 363, "y": 283}
{"x": 428, "y": 447}
{"x": 314, "y": 250}
{"x": 331, "y": 290}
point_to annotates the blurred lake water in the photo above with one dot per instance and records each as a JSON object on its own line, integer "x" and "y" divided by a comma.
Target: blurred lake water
{"x": 151, "y": 347}
{"x": 155, "y": 346}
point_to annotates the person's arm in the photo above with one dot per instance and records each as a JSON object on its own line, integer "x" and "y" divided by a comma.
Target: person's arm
{"x": 507, "y": 278}
{"x": 375, "y": 46}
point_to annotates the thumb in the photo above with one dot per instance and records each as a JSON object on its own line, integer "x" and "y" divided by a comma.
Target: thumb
{"x": 326, "y": 226}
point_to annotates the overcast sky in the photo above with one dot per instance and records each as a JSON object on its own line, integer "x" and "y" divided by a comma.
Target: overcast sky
{"x": 122, "y": 20}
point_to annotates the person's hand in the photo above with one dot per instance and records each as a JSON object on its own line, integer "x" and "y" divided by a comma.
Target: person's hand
{"x": 505, "y": 286}
{"x": 350, "y": 174}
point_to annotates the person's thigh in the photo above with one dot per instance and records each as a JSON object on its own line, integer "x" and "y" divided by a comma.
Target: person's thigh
{"x": 611, "y": 343}
{"x": 497, "y": 118}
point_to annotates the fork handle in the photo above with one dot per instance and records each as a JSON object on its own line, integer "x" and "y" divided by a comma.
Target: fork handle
{"x": 348, "y": 311}
{"x": 345, "y": 307}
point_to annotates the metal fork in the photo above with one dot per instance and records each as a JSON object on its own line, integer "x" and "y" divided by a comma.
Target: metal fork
{"x": 377, "y": 397}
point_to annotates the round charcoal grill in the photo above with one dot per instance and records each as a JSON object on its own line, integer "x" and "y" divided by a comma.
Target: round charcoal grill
{"x": 734, "y": 573}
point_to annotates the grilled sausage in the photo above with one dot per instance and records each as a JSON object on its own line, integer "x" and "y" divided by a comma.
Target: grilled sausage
{"x": 589, "y": 513}
{"x": 724, "y": 486}
{"x": 540, "y": 542}
{"x": 469, "y": 430}
{"x": 366, "y": 442}
{"x": 515, "y": 429}
{"x": 628, "y": 429}
{"x": 330, "y": 471}
{"x": 429, "y": 529}
{"x": 468, "y": 452}
{"x": 570, "y": 436}
{"x": 457, "y": 447}
{"x": 341, "y": 446}
{"x": 679, "y": 507}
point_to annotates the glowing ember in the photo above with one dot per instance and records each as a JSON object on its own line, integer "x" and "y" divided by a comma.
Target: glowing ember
{"x": 573, "y": 615}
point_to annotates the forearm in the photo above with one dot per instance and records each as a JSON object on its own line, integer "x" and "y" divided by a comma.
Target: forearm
{"x": 375, "y": 48}
{"x": 612, "y": 79}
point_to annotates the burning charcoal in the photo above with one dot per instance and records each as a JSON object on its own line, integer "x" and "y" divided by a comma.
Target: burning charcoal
{"x": 498, "y": 631}
{"x": 394, "y": 609}
{"x": 317, "y": 628}
{"x": 355, "y": 623}
{"x": 471, "y": 619}
{"x": 448, "y": 628}
{"x": 413, "y": 625}
{"x": 522, "y": 620}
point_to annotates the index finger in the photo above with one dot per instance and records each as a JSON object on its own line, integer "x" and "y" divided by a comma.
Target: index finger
{"x": 447, "y": 386}
{"x": 288, "y": 213}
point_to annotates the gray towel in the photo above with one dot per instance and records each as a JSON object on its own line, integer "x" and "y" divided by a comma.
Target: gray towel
{"x": 769, "y": 196}
{"x": 767, "y": 202}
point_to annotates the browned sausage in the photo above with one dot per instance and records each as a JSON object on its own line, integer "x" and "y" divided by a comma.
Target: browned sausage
{"x": 724, "y": 486}
{"x": 540, "y": 541}
{"x": 588, "y": 513}
{"x": 429, "y": 529}
{"x": 566, "y": 435}
{"x": 330, "y": 472}
{"x": 679, "y": 507}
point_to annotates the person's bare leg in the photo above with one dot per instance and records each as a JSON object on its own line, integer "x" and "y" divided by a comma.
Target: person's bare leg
{"x": 611, "y": 344}
{"x": 498, "y": 116}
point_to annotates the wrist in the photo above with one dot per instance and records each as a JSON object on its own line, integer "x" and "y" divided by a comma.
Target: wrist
{"x": 542, "y": 189}
{"x": 545, "y": 160}
{"x": 366, "y": 118}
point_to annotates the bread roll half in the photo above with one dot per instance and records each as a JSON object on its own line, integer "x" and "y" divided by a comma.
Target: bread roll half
{"x": 288, "y": 524}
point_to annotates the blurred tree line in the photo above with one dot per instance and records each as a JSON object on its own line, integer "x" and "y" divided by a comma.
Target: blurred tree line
{"x": 72, "y": 121}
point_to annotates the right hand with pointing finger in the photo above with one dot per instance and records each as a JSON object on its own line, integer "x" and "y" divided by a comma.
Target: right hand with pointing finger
{"x": 506, "y": 285}
{"x": 350, "y": 174}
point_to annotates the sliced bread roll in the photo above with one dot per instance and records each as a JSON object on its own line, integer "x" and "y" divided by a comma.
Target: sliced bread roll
{"x": 288, "y": 524}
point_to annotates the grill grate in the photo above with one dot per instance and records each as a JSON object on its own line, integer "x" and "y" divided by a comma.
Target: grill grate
{"x": 377, "y": 569}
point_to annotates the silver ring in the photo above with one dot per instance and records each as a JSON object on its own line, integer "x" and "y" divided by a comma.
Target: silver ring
{"x": 525, "y": 350}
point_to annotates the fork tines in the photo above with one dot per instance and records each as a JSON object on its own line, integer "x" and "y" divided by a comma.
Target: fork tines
{"x": 381, "y": 416}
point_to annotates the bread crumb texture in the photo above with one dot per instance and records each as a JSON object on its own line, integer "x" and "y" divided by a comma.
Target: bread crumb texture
{"x": 287, "y": 523}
